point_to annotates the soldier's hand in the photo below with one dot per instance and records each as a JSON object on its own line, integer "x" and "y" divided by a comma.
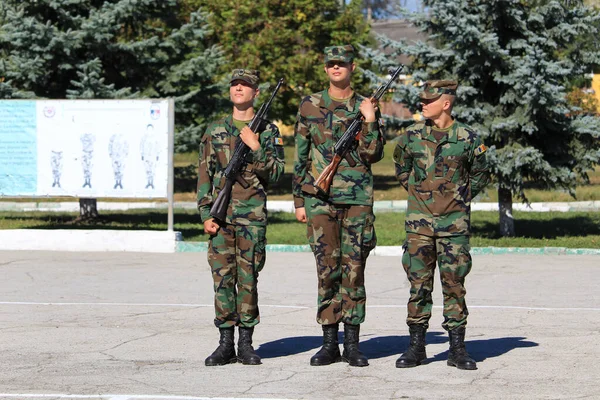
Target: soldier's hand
{"x": 367, "y": 109}
{"x": 301, "y": 214}
{"x": 250, "y": 138}
{"x": 211, "y": 227}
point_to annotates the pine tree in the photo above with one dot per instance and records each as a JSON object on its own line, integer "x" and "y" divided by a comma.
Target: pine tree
{"x": 112, "y": 49}
{"x": 83, "y": 49}
{"x": 515, "y": 61}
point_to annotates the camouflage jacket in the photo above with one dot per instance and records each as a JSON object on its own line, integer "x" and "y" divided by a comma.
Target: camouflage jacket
{"x": 265, "y": 166}
{"x": 441, "y": 178}
{"x": 319, "y": 124}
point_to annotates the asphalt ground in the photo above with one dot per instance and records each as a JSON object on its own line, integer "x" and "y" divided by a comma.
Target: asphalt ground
{"x": 138, "y": 326}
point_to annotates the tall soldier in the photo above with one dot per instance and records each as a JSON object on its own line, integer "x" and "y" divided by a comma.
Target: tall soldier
{"x": 442, "y": 164}
{"x": 339, "y": 227}
{"x": 236, "y": 251}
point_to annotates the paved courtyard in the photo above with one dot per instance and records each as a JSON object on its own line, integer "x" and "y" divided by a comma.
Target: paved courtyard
{"x": 138, "y": 326}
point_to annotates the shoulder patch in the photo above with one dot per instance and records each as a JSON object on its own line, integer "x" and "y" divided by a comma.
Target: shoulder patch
{"x": 278, "y": 141}
{"x": 480, "y": 150}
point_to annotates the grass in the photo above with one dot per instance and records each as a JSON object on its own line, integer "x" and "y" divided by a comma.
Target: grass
{"x": 551, "y": 229}
{"x": 386, "y": 185}
{"x": 572, "y": 230}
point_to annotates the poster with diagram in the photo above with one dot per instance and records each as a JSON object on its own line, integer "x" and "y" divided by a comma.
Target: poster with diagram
{"x": 84, "y": 148}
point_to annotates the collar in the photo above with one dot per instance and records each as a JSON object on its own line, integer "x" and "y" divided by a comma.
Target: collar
{"x": 452, "y": 136}
{"x": 230, "y": 127}
{"x": 327, "y": 102}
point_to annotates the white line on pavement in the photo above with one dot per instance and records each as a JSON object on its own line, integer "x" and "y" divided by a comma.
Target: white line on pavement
{"x": 183, "y": 305}
{"x": 34, "y": 303}
{"x": 114, "y": 396}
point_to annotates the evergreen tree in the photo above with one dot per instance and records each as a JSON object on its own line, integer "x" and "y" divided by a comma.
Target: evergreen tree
{"x": 83, "y": 49}
{"x": 112, "y": 49}
{"x": 285, "y": 40}
{"x": 515, "y": 61}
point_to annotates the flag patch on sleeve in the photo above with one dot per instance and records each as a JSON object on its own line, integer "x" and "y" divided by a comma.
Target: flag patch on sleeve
{"x": 480, "y": 150}
{"x": 278, "y": 141}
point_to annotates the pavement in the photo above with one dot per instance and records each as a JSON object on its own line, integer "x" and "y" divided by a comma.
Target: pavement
{"x": 128, "y": 326}
{"x": 285, "y": 206}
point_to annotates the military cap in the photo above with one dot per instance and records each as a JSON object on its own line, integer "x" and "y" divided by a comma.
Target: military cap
{"x": 434, "y": 89}
{"x": 339, "y": 53}
{"x": 250, "y": 76}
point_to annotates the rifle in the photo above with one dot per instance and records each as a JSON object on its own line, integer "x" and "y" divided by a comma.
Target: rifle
{"x": 238, "y": 160}
{"x": 346, "y": 142}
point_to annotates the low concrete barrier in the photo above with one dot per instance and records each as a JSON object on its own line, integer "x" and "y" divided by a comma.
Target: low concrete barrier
{"x": 89, "y": 240}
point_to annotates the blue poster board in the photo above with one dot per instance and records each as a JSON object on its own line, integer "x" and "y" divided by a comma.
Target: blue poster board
{"x": 18, "y": 148}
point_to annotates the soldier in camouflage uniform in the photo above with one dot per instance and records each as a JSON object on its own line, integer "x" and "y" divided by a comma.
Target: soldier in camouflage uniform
{"x": 442, "y": 164}
{"x": 340, "y": 227}
{"x": 236, "y": 252}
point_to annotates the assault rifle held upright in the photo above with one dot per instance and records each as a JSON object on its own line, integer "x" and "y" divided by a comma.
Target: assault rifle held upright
{"x": 238, "y": 160}
{"x": 346, "y": 142}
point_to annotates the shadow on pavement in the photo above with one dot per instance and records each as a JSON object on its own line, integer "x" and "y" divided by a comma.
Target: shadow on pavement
{"x": 385, "y": 346}
{"x": 290, "y": 346}
{"x": 483, "y": 349}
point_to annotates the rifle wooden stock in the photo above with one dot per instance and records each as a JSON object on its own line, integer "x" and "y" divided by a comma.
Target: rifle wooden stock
{"x": 345, "y": 144}
{"x": 323, "y": 182}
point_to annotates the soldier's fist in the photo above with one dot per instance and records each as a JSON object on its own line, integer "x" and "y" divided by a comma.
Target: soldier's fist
{"x": 367, "y": 109}
{"x": 211, "y": 227}
{"x": 301, "y": 214}
{"x": 250, "y": 138}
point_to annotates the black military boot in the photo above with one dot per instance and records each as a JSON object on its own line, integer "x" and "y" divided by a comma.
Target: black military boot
{"x": 352, "y": 354}
{"x": 225, "y": 353}
{"x": 458, "y": 356}
{"x": 246, "y": 353}
{"x": 330, "y": 352}
{"x": 416, "y": 351}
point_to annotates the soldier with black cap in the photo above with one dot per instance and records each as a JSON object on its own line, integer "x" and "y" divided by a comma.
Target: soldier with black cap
{"x": 442, "y": 164}
{"x": 340, "y": 227}
{"x": 236, "y": 250}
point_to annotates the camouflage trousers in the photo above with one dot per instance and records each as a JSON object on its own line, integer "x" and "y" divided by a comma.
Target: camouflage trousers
{"x": 236, "y": 254}
{"x": 454, "y": 260}
{"x": 341, "y": 237}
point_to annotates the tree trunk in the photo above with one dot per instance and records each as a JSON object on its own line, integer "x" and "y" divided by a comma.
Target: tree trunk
{"x": 507, "y": 222}
{"x": 88, "y": 209}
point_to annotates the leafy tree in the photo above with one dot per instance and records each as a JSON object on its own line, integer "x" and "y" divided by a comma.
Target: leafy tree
{"x": 285, "y": 39}
{"x": 515, "y": 60}
{"x": 83, "y": 49}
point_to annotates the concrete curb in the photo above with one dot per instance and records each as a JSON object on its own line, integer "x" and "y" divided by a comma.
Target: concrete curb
{"x": 288, "y": 206}
{"x": 89, "y": 240}
{"x": 81, "y": 240}
{"x": 397, "y": 250}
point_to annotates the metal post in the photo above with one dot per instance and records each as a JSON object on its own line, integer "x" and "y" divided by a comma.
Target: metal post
{"x": 171, "y": 178}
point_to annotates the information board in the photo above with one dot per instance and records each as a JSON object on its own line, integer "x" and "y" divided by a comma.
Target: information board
{"x": 85, "y": 148}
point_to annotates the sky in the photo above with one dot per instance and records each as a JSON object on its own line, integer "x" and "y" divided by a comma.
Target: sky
{"x": 412, "y": 5}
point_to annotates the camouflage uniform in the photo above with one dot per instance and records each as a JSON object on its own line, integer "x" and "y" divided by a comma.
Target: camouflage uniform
{"x": 236, "y": 253}
{"x": 340, "y": 228}
{"x": 441, "y": 177}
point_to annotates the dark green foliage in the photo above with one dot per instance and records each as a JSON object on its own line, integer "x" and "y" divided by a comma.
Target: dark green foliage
{"x": 515, "y": 61}
{"x": 111, "y": 49}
